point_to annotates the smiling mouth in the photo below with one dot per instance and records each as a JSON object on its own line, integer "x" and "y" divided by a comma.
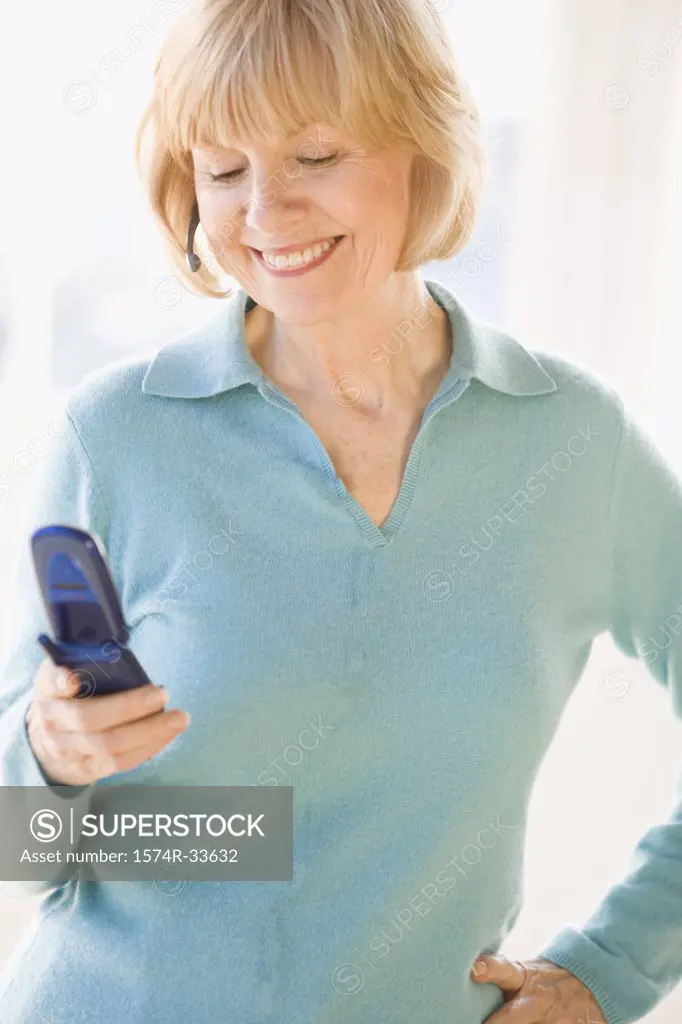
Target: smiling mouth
{"x": 291, "y": 264}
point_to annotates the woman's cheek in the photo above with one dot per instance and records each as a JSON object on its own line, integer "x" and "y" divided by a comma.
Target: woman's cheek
{"x": 223, "y": 228}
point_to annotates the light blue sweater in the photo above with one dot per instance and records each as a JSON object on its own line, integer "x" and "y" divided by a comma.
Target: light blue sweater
{"x": 405, "y": 680}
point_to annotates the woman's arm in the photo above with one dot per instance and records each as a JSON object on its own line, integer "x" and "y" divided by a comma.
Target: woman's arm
{"x": 65, "y": 490}
{"x": 629, "y": 953}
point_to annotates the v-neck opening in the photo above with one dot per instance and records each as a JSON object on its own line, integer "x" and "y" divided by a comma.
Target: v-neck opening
{"x": 453, "y": 383}
{"x": 374, "y": 535}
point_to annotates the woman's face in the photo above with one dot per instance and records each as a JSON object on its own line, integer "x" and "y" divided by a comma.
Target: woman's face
{"x": 256, "y": 197}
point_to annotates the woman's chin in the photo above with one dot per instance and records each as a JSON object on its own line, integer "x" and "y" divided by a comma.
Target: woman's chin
{"x": 303, "y": 310}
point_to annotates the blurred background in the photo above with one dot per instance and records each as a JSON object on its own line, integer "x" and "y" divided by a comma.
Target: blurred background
{"x": 578, "y": 251}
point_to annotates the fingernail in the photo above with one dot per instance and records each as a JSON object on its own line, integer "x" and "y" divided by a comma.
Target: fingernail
{"x": 480, "y": 967}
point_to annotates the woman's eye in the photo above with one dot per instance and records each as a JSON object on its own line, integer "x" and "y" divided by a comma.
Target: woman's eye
{"x": 225, "y": 176}
{"x": 323, "y": 161}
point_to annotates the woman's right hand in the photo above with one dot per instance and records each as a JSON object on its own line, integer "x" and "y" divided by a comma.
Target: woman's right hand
{"x": 78, "y": 741}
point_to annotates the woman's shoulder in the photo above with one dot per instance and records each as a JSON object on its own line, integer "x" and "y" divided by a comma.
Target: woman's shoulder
{"x": 127, "y": 385}
{"x": 111, "y": 411}
{"x": 504, "y": 352}
{"x": 577, "y": 381}
{"x": 109, "y": 397}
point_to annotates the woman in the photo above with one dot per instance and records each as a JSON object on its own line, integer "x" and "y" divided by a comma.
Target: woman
{"x": 416, "y": 528}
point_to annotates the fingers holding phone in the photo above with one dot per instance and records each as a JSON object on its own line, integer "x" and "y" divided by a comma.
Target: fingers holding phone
{"x": 80, "y": 741}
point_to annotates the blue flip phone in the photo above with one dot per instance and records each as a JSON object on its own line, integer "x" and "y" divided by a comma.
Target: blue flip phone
{"x": 83, "y": 608}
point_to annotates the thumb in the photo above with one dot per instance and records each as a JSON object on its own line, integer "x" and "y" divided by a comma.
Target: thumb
{"x": 509, "y": 975}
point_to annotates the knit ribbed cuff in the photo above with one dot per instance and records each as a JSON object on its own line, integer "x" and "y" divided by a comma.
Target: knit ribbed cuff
{"x": 623, "y": 994}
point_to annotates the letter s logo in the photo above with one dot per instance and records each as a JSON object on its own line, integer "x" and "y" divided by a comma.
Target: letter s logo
{"x": 46, "y": 826}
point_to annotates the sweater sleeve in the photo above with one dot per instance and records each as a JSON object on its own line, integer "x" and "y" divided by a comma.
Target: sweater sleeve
{"x": 63, "y": 489}
{"x": 629, "y": 953}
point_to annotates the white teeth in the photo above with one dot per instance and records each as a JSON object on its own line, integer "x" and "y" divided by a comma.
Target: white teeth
{"x": 298, "y": 259}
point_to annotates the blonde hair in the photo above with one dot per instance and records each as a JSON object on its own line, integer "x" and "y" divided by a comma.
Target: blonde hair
{"x": 379, "y": 70}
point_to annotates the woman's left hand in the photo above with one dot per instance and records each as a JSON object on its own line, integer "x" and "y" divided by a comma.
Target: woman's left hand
{"x": 538, "y": 992}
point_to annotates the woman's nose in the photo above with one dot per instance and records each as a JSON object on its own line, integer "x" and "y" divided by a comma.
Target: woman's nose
{"x": 272, "y": 194}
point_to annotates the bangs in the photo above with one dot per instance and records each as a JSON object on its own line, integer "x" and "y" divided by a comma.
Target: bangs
{"x": 286, "y": 66}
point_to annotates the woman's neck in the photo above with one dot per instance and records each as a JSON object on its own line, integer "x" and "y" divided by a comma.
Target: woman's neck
{"x": 398, "y": 359}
